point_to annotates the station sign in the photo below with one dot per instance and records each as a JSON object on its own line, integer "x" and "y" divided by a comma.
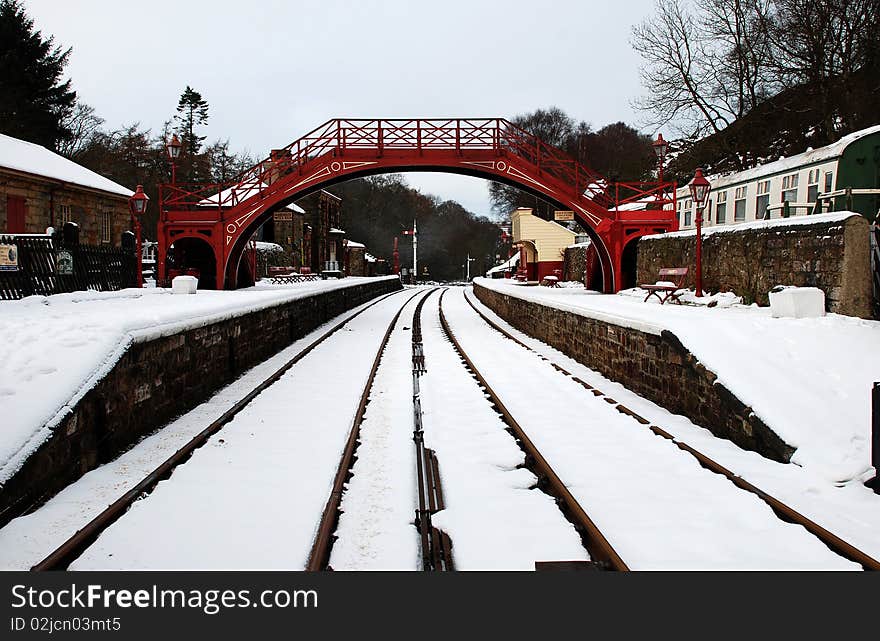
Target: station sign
{"x": 563, "y": 215}
{"x": 9, "y": 258}
{"x": 283, "y": 216}
{"x": 63, "y": 263}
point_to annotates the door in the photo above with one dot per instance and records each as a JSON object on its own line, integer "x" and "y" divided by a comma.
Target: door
{"x": 16, "y": 208}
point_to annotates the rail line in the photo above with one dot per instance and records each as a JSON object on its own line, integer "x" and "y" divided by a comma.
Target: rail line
{"x": 436, "y": 545}
{"x": 319, "y": 556}
{"x": 74, "y": 546}
{"x": 783, "y": 511}
{"x": 601, "y": 551}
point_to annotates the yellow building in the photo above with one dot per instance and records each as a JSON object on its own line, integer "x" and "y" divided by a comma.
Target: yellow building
{"x": 541, "y": 244}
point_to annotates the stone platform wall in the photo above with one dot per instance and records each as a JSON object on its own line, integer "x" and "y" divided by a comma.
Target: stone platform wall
{"x": 655, "y": 366}
{"x": 831, "y": 255}
{"x": 160, "y": 379}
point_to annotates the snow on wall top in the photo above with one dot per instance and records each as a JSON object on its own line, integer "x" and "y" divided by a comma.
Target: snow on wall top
{"x": 21, "y": 155}
{"x": 780, "y": 223}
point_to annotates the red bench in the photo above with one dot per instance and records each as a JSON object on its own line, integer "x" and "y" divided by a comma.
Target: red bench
{"x": 666, "y": 292}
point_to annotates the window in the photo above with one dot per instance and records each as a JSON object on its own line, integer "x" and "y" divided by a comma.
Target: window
{"x": 64, "y": 215}
{"x": 739, "y": 205}
{"x": 721, "y": 208}
{"x": 789, "y": 188}
{"x": 762, "y": 200}
{"x": 813, "y": 186}
{"x": 688, "y": 213}
{"x": 829, "y": 181}
{"x": 106, "y": 227}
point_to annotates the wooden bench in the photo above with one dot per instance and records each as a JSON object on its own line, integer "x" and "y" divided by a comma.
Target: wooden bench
{"x": 287, "y": 275}
{"x": 666, "y": 292}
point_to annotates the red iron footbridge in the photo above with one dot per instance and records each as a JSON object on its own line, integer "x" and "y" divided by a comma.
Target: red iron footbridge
{"x": 223, "y": 217}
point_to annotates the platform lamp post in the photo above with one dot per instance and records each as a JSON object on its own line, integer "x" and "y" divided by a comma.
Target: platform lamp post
{"x": 699, "y": 188}
{"x": 660, "y": 146}
{"x": 138, "y": 206}
{"x": 172, "y": 147}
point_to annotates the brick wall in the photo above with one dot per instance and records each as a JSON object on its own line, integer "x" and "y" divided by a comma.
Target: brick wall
{"x": 86, "y": 207}
{"x": 657, "y": 367}
{"x": 833, "y": 256}
{"x": 158, "y": 380}
{"x": 575, "y": 263}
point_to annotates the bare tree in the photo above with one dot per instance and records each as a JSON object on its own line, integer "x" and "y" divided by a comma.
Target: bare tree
{"x": 677, "y": 71}
{"x": 82, "y": 122}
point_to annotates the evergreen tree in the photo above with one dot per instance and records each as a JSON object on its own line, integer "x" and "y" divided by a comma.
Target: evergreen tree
{"x": 192, "y": 111}
{"x": 34, "y": 103}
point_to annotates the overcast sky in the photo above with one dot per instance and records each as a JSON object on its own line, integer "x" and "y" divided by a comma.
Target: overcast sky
{"x": 273, "y": 70}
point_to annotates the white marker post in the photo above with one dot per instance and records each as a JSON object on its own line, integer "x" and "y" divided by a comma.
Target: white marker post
{"x": 415, "y": 236}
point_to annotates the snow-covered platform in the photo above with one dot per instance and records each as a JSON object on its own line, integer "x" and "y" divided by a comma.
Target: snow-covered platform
{"x": 55, "y": 350}
{"x": 808, "y": 379}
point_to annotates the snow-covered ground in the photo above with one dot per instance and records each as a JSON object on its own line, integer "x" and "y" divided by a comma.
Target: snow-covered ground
{"x": 54, "y": 349}
{"x": 808, "y": 379}
{"x": 252, "y": 497}
{"x": 850, "y": 511}
{"x": 28, "y": 539}
{"x": 655, "y": 504}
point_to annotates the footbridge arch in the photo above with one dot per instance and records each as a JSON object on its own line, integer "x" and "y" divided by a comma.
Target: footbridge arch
{"x": 227, "y": 215}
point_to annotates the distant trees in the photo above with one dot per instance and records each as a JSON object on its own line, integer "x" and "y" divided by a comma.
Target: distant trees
{"x": 617, "y": 151}
{"x": 376, "y": 209}
{"x": 34, "y": 101}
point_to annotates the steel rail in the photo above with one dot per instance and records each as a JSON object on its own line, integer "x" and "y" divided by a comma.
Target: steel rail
{"x": 601, "y": 551}
{"x": 436, "y": 545}
{"x": 73, "y": 547}
{"x": 319, "y": 557}
{"x": 783, "y": 511}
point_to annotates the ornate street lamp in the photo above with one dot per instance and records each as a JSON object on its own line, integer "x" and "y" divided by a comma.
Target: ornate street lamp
{"x": 138, "y": 206}
{"x": 660, "y": 146}
{"x": 173, "y": 148}
{"x": 699, "y": 188}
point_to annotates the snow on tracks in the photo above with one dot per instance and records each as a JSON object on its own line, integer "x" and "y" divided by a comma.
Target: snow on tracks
{"x": 656, "y": 505}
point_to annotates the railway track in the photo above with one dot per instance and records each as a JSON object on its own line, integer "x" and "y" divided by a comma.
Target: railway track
{"x": 783, "y": 511}
{"x": 436, "y": 545}
{"x": 74, "y": 546}
{"x": 319, "y": 557}
{"x": 601, "y": 551}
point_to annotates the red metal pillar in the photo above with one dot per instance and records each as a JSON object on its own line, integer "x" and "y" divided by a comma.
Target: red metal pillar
{"x": 396, "y": 254}
{"x": 699, "y": 276}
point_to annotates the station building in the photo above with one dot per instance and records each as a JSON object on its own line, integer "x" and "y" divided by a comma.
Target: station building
{"x": 844, "y": 175}
{"x": 41, "y": 189}
{"x": 541, "y": 244}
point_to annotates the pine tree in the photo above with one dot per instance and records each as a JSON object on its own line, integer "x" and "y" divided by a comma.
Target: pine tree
{"x": 192, "y": 111}
{"x": 34, "y": 103}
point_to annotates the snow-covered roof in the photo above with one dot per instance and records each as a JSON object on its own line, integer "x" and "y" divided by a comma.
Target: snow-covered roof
{"x": 510, "y": 263}
{"x": 353, "y": 244}
{"x": 20, "y": 155}
{"x": 269, "y": 247}
{"x": 333, "y": 230}
{"x": 369, "y": 258}
{"x": 810, "y": 157}
{"x": 234, "y": 195}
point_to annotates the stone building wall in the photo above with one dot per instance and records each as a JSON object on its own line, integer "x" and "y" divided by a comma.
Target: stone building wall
{"x": 655, "y": 366}
{"x": 831, "y": 255}
{"x": 575, "y": 263}
{"x": 160, "y": 379}
{"x": 357, "y": 263}
{"x": 86, "y": 207}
